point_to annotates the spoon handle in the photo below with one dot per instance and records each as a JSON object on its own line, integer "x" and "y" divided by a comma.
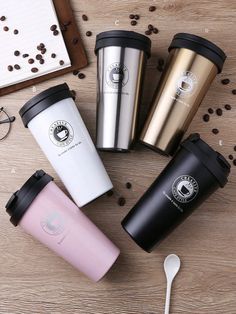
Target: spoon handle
{"x": 168, "y": 291}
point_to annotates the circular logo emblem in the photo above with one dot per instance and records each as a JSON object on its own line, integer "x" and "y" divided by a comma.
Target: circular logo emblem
{"x": 61, "y": 133}
{"x": 184, "y": 189}
{"x": 186, "y": 84}
{"x": 53, "y": 224}
{"x": 117, "y": 75}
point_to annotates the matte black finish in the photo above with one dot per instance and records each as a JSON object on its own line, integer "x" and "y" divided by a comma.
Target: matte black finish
{"x": 22, "y": 199}
{"x": 186, "y": 182}
{"x": 201, "y": 46}
{"x": 42, "y": 101}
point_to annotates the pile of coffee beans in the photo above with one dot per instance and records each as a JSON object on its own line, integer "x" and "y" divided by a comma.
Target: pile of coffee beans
{"x": 54, "y": 30}
{"x": 134, "y": 18}
{"x": 80, "y": 75}
{"x": 151, "y": 30}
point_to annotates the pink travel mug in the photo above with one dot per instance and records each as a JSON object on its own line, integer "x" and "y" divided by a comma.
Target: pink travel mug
{"x": 47, "y": 214}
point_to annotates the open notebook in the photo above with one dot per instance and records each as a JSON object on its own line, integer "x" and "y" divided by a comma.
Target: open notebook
{"x": 24, "y": 25}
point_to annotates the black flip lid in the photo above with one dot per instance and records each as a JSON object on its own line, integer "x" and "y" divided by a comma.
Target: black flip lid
{"x": 201, "y": 46}
{"x": 42, "y": 101}
{"x": 211, "y": 159}
{"x": 123, "y": 39}
{"x": 22, "y": 199}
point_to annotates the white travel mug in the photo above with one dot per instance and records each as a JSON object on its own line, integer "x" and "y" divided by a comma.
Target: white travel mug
{"x": 57, "y": 126}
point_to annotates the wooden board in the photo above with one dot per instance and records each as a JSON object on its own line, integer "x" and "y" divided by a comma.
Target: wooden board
{"x": 76, "y": 51}
{"x": 33, "y": 280}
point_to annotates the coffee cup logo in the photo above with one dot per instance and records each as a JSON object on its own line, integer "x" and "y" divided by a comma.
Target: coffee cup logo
{"x": 186, "y": 84}
{"x": 53, "y": 224}
{"x": 117, "y": 75}
{"x": 61, "y": 133}
{"x": 185, "y": 188}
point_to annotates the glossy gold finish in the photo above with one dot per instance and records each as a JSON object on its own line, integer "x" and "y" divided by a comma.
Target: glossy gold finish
{"x": 183, "y": 85}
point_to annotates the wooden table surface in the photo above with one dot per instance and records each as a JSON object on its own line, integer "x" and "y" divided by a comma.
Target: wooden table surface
{"x": 34, "y": 280}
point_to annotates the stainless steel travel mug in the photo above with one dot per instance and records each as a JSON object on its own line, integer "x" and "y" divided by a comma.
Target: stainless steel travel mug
{"x": 121, "y": 60}
{"x": 191, "y": 67}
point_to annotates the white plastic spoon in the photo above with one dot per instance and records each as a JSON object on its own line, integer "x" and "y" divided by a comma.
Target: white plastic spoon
{"x": 171, "y": 266}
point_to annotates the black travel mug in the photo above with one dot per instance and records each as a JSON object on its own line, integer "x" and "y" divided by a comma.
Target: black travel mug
{"x": 195, "y": 172}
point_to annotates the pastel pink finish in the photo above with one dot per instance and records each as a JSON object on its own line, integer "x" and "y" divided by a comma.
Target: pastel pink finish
{"x": 59, "y": 224}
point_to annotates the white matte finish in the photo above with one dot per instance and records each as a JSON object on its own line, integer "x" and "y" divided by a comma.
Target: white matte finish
{"x": 78, "y": 163}
{"x": 171, "y": 267}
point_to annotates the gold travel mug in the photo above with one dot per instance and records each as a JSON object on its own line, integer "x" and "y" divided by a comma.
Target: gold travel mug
{"x": 191, "y": 67}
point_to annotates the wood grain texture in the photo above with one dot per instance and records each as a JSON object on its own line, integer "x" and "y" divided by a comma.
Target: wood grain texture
{"x": 34, "y": 280}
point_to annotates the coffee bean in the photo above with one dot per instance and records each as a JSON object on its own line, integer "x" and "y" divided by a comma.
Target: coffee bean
{"x": 61, "y": 62}
{"x": 3, "y": 18}
{"x": 53, "y": 55}
{"x": 155, "y": 30}
{"x": 67, "y": 23}
{"x": 41, "y": 45}
{"x": 31, "y": 61}
{"x": 110, "y": 193}
{"x": 235, "y": 148}
{"x": 81, "y": 76}
{"x": 128, "y": 185}
{"x": 206, "y": 117}
{"x": 131, "y": 16}
{"x": 63, "y": 28}
{"x": 17, "y": 67}
{"x": 150, "y": 26}
{"x": 10, "y": 68}
{"x": 17, "y": 53}
{"x": 55, "y": 33}
{"x": 148, "y": 32}
{"x": 152, "y": 8}
{"x": 136, "y": 17}
{"x": 43, "y": 51}
{"x": 16, "y": 31}
{"x": 84, "y": 17}
{"x": 53, "y": 28}
{"x": 6, "y": 29}
{"x": 227, "y": 107}
{"x": 234, "y": 162}
{"x": 25, "y": 55}
{"x": 88, "y": 33}
{"x": 39, "y": 57}
{"x": 133, "y": 23}
{"x": 161, "y": 61}
{"x": 75, "y": 72}
{"x": 225, "y": 81}
{"x": 75, "y": 41}
{"x": 41, "y": 61}
{"x": 234, "y": 91}
{"x": 121, "y": 201}
{"x": 219, "y": 112}
{"x": 231, "y": 157}
{"x": 215, "y": 131}
{"x": 210, "y": 110}
{"x": 34, "y": 70}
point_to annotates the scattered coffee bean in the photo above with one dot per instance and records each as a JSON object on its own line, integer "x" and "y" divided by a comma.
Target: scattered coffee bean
{"x": 34, "y": 70}
{"x": 73, "y": 94}
{"x": 206, "y": 117}
{"x": 148, "y": 32}
{"x": 39, "y": 57}
{"x": 210, "y": 110}
{"x": 17, "y": 53}
{"x": 155, "y": 30}
{"x": 53, "y": 28}
{"x": 133, "y": 23}
{"x": 219, "y": 112}
{"x": 67, "y": 23}
{"x": 84, "y": 17}
{"x": 227, "y": 107}
{"x": 6, "y": 29}
{"x": 150, "y": 27}
{"x": 136, "y": 17}
{"x": 16, "y": 31}
{"x": 31, "y": 61}
{"x": 121, "y": 201}
{"x": 25, "y": 55}
{"x": 161, "y": 61}
{"x": 225, "y": 81}
{"x": 128, "y": 185}
{"x": 215, "y": 131}
{"x": 53, "y": 55}
{"x": 131, "y": 16}
{"x": 75, "y": 72}
{"x": 3, "y": 18}
{"x": 235, "y": 148}
{"x": 61, "y": 62}
{"x": 234, "y": 91}
{"x": 81, "y": 76}
{"x": 110, "y": 193}
{"x": 43, "y": 51}
{"x": 152, "y": 8}
{"x": 17, "y": 67}
{"x": 55, "y": 33}
{"x": 75, "y": 41}
{"x": 41, "y": 61}
{"x": 88, "y": 33}
{"x": 234, "y": 162}
{"x": 41, "y": 45}
{"x": 231, "y": 157}
{"x": 10, "y": 68}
